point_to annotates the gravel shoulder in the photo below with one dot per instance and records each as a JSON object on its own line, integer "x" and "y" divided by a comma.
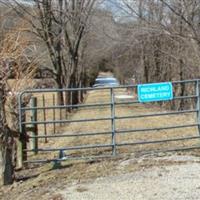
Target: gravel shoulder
{"x": 179, "y": 181}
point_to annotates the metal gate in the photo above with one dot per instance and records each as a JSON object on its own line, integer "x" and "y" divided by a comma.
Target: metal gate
{"x": 110, "y": 122}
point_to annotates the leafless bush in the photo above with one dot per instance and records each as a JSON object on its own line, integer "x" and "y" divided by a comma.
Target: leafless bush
{"x": 12, "y": 56}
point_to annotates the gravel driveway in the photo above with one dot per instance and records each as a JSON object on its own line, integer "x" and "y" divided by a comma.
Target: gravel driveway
{"x": 171, "y": 182}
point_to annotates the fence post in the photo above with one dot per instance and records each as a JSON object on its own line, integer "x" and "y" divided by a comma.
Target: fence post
{"x": 54, "y": 114}
{"x": 21, "y": 143}
{"x": 113, "y": 122}
{"x": 34, "y": 128}
{"x": 198, "y": 105}
{"x": 44, "y": 117}
{"x": 60, "y": 116}
{"x": 71, "y": 100}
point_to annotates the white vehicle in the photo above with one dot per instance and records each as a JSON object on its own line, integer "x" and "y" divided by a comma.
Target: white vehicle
{"x": 106, "y": 82}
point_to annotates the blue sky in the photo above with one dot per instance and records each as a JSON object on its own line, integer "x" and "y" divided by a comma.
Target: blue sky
{"x": 114, "y": 7}
{"x": 119, "y": 10}
{"x": 111, "y": 5}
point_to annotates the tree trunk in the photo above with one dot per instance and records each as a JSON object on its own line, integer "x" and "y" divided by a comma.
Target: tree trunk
{"x": 6, "y": 144}
{"x": 60, "y": 96}
{"x": 74, "y": 84}
{"x": 182, "y": 90}
{"x": 157, "y": 58}
{"x": 6, "y": 166}
{"x": 146, "y": 70}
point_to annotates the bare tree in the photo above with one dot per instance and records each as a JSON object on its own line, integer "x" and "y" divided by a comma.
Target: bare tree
{"x": 61, "y": 25}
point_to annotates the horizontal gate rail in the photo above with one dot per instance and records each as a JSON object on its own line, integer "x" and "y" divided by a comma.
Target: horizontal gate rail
{"x": 72, "y": 148}
{"x": 185, "y": 81}
{"x": 158, "y": 141}
{"x": 185, "y": 97}
{"x": 67, "y": 106}
{"x": 117, "y": 144}
{"x": 72, "y": 135}
{"x": 156, "y": 129}
{"x": 67, "y": 121}
{"x": 158, "y": 114}
{"x": 175, "y": 98}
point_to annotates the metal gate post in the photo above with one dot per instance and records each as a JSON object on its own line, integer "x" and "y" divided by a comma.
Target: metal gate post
{"x": 198, "y": 105}
{"x": 113, "y": 122}
{"x": 34, "y": 128}
{"x": 21, "y": 155}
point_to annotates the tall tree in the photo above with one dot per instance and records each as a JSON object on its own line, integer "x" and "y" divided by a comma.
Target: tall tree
{"x": 61, "y": 25}
{"x": 6, "y": 137}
